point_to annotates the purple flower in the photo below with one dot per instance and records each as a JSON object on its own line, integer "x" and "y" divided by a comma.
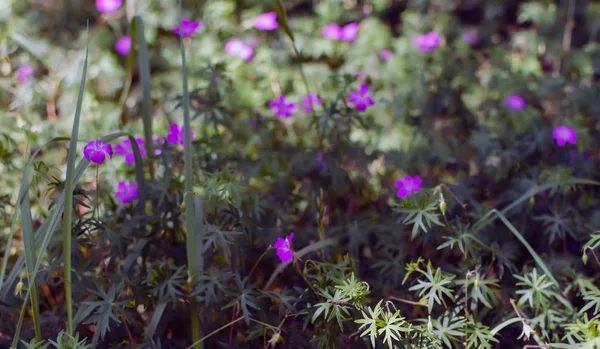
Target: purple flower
{"x": 108, "y": 6}
{"x": 564, "y": 135}
{"x": 309, "y": 101}
{"x": 237, "y": 47}
{"x": 282, "y": 108}
{"x": 126, "y": 192}
{"x": 470, "y": 37}
{"x": 408, "y": 185}
{"x": 157, "y": 143}
{"x": 426, "y": 42}
{"x": 177, "y": 135}
{"x": 361, "y": 98}
{"x": 187, "y": 27}
{"x": 123, "y": 45}
{"x": 96, "y": 151}
{"x": 24, "y": 73}
{"x": 385, "y": 55}
{"x": 515, "y": 102}
{"x": 335, "y": 32}
{"x": 284, "y": 248}
{"x": 125, "y": 149}
{"x": 266, "y": 21}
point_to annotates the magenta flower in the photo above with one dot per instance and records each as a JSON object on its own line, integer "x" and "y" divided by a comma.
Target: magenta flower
{"x": 96, "y": 151}
{"x": 108, "y": 6}
{"x": 335, "y": 32}
{"x": 157, "y": 143}
{"x": 24, "y": 73}
{"x": 564, "y": 135}
{"x": 408, "y": 185}
{"x": 123, "y": 45}
{"x": 282, "y": 108}
{"x": 125, "y": 149}
{"x": 426, "y": 42}
{"x": 515, "y": 102}
{"x": 266, "y": 21}
{"x": 187, "y": 27}
{"x": 177, "y": 135}
{"x": 309, "y": 101}
{"x": 385, "y": 55}
{"x": 361, "y": 98}
{"x": 237, "y": 47}
{"x": 126, "y": 192}
{"x": 284, "y": 248}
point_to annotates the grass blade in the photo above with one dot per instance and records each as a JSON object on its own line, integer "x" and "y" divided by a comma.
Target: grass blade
{"x": 29, "y": 250}
{"x": 190, "y": 219}
{"x": 68, "y": 216}
{"x": 144, "y": 63}
{"x": 156, "y": 316}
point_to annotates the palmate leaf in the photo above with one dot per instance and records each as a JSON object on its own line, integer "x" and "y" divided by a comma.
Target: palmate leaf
{"x": 370, "y": 322}
{"x": 245, "y": 297}
{"x": 448, "y": 328}
{"x": 332, "y": 311}
{"x": 557, "y": 224}
{"x": 481, "y": 289}
{"x": 216, "y": 238}
{"x": 479, "y": 336}
{"x": 421, "y": 217}
{"x": 106, "y": 308}
{"x": 537, "y": 290}
{"x": 435, "y": 287}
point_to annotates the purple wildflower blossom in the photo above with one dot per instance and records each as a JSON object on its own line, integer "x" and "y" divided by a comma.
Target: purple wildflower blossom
{"x": 123, "y": 45}
{"x": 284, "y": 248}
{"x": 408, "y": 185}
{"x": 187, "y": 27}
{"x": 24, "y": 73}
{"x": 237, "y": 47}
{"x": 361, "y": 98}
{"x": 335, "y": 32}
{"x": 177, "y": 134}
{"x": 385, "y": 55}
{"x": 426, "y": 42}
{"x": 563, "y": 135}
{"x": 126, "y": 192}
{"x": 158, "y": 142}
{"x": 96, "y": 151}
{"x": 515, "y": 102}
{"x": 108, "y": 6}
{"x": 282, "y": 108}
{"x": 126, "y": 150}
{"x": 350, "y": 31}
{"x": 309, "y": 101}
{"x": 266, "y": 21}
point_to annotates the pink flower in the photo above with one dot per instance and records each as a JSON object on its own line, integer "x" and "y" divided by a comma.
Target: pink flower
{"x": 177, "y": 135}
{"x": 284, "y": 248}
{"x": 408, "y": 185}
{"x": 96, "y": 151}
{"x": 126, "y": 150}
{"x": 361, "y": 98}
{"x": 563, "y": 135}
{"x": 157, "y": 143}
{"x": 282, "y": 108}
{"x": 515, "y": 102}
{"x": 385, "y": 55}
{"x": 108, "y": 6}
{"x": 126, "y": 192}
{"x": 187, "y": 27}
{"x": 237, "y": 47}
{"x": 266, "y": 21}
{"x": 123, "y": 45}
{"x": 335, "y": 32}
{"x": 426, "y": 42}
{"x": 24, "y": 73}
{"x": 309, "y": 101}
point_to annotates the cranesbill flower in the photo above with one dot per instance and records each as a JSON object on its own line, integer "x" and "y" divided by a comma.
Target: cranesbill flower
{"x": 125, "y": 149}
{"x": 361, "y": 98}
{"x": 309, "y": 101}
{"x": 345, "y": 33}
{"x": 177, "y": 135}
{"x": 126, "y": 192}
{"x": 24, "y": 73}
{"x": 108, "y": 6}
{"x": 284, "y": 248}
{"x": 515, "y": 102}
{"x": 408, "y": 185}
{"x": 563, "y": 135}
{"x": 237, "y": 47}
{"x": 350, "y": 31}
{"x": 426, "y": 42}
{"x": 385, "y": 55}
{"x": 96, "y": 151}
{"x": 158, "y": 142}
{"x": 123, "y": 45}
{"x": 266, "y": 21}
{"x": 187, "y": 27}
{"x": 282, "y": 108}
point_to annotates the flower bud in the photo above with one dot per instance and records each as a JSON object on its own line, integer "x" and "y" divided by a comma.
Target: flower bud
{"x": 429, "y": 324}
{"x": 584, "y": 258}
{"x": 532, "y": 201}
{"x": 182, "y": 206}
{"x": 19, "y": 288}
{"x": 476, "y": 282}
